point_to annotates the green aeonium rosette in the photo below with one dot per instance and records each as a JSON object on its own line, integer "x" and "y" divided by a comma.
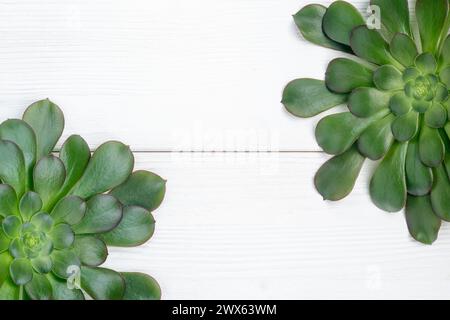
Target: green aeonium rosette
{"x": 59, "y": 212}
{"x": 396, "y": 92}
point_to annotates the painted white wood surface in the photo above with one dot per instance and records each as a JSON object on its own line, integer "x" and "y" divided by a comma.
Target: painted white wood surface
{"x": 207, "y": 75}
{"x": 161, "y": 75}
{"x": 252, "y": 226}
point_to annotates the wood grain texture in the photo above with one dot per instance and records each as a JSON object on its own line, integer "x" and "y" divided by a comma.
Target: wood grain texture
{"x": 250, "y": 226}
{"x": 207, "y": 75}
{"x": 162, "y": 75}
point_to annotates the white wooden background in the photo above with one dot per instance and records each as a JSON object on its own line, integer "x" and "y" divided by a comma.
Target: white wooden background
{"x": 241, "y": 219}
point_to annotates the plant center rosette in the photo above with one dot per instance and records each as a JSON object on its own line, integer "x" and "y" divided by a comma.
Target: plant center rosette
{"x": 397, "y": 95}
{"x": 58, "y": 214}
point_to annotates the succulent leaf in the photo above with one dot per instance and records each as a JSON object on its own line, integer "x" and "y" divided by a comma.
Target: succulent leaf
{"x": 343, "y": 75}
{"x": 370, "y": 45}
{"x": 308, "y": 97}
{"x": 111, "y": 164}
{"x": 377, "y": 138}
{"x": 54, "y": 211}
{"x": 395, "y": 16}
{"x": 135, "y": 228}
{"x": 419, "y": 177}
{"x": 431, "y": 147}
{"x": 422, "y": 223}
{"x": 364, "y": 102}
{"x": 102, "y": 284}
{"x": 103, "y": 214}
{"x": 142, "y": 188}
{"x": 9, "y": 202}
{"x": 337, "y": 177}
{"x": 388, "y": 184}
{"x": 47, "y": 121}
{"x": 12, "y": 166}
{"x": 339, "y": 20}
{"x": 403, "y": 49}
{"x": 91, "y": 250}
{"x": 139, "y": 286}
{"x": 309, "y": 21}
{"x": 336, "y": 133}
{"x": 431, "y": 18}
{"x": 19, "y": 132}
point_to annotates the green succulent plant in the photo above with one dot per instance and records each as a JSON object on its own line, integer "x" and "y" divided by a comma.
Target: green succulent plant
{"x": 396, "y": 92}
{"x": 58, "y": 214}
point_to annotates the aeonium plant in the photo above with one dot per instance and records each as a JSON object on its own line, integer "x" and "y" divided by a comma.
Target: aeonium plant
{"x": 397, "y": 95}
{"x": 59, "y": 213}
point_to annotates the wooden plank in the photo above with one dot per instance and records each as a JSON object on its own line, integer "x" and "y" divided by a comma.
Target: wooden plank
{"x": 162, "y": 75}
{"x": 252, "y": 226}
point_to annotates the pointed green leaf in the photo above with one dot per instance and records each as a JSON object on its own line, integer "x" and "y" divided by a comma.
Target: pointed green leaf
{"x": 104, "y": 213}
{"x": 39, "y": 288}
{"x": 19, "y": 132}
{"x": 426, "y": 63}
{"x": 75, "y": 155}
{"x": 431, "y": 147}
{"x": 102, "y": 284}
{"x": 9, "y": 290}
{"x": 63, "y": 262}
{"x": 440, "y": 194}
{"x": 11, "y": 226}
{"x": 394, "y": 16}
{"x": 135, "y": 228}
{"x": 62, "y": 236}
{"x": 337, "y": 133}
{"x": 445, "y": 76}
{"x": 365, "y": 102}
{"x": 30, "y": 204}
{"x": 339, "y": 20}
{"x": 400, "y": 104}
{"x": 12, "y": 166}
{"x": 69, "y": 210}
{"x": 309, "y": 97}
{"x": 139, "y": 286}
{"x": 90, "y": 250}
{"x": 8, "y": 201}
{"x": 142, "y": 188}
{"x": 421, "y": 106}
{"x": 336, "y": 178}
{"x": 442, "y": 93}
{"x": 377, "y": 139}
{"x": 405, "y": 127}
{"x": 445, "y": 54}
{"x": 431, "y": 18}
{"x": 388, "y": 78}
{"x": 422, "y": 223}
{"x": 5, "y": 261}
{"x": 419, "y": 178}
{"x": 403, "y": 49}
{"x": 16, "y": 249}
{"x": 4, "y": 242}
{"x": 111, "y": 164}
{"x": 47, "y": 121}
{"x": 49, "y": 176}
{"x": 370, "y": 45}
{"x": 42, "y": 264}
{"x": 42, "y": 221}
{"x": 21, "y": 271}
{"x": 343, "y": 75}
{"x": 309, "y": 22}
{"x": 436, "y": 116}
{"x": 61, "y": 290}
{"x": 388, "y": 185}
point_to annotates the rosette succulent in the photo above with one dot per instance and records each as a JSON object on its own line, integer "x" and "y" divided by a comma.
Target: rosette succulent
{"x": 395, "y": 82}
{"x": 59, "y": 213}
